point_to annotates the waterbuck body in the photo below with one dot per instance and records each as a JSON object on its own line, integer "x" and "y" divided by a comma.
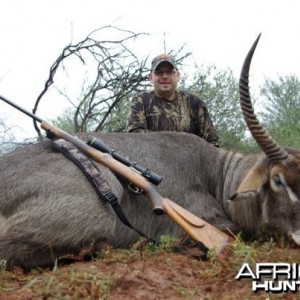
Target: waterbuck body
{"x": 48, "y": 209}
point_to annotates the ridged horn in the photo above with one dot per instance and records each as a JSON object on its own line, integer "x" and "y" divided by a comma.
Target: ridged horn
{"x": 273, "y": 151}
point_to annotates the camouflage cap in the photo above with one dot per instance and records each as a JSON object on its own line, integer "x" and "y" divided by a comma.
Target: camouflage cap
{"x": 162, "y": 58}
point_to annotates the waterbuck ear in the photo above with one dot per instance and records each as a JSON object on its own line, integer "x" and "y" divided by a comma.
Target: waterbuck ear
{"x": 253, "y": 181}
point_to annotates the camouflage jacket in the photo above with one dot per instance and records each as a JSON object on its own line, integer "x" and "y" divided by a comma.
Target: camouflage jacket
{"x": 186, "y": 113}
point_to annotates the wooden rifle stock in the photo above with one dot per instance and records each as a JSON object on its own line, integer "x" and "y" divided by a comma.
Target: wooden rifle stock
{"x": 194, "y": 226}
{"x": 198, "y": 229}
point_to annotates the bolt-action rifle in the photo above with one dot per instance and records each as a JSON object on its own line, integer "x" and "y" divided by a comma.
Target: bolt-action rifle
{"x": 195, "y": 227}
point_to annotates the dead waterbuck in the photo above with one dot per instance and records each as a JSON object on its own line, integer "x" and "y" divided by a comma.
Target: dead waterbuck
{"x": 48, "y": 209}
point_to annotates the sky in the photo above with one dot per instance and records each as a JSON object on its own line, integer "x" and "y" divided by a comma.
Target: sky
{"x": 220, "y": 32}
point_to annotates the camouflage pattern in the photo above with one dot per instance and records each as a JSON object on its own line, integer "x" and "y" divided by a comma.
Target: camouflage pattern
{"x": 87, "y": 166}
{"x": 162, "y": 58}
{"x": 185, "y": 113}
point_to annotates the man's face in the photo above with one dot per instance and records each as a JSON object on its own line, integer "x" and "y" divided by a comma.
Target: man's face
{"x": 164, "y": 78}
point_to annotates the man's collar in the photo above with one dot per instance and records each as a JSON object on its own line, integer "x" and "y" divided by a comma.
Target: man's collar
{"x": 174, "y": 98}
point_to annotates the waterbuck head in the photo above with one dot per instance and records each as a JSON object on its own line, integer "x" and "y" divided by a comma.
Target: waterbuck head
{"x": 274, "y": 180}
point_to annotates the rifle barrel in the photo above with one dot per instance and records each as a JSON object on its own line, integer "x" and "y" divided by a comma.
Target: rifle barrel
{"x": 26, "y": 112}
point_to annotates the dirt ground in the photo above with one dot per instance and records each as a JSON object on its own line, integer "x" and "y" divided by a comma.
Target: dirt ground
{"x": 144, "y": 274}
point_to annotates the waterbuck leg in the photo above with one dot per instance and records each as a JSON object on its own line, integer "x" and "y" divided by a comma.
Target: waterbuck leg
{"x": 28, "y": 255}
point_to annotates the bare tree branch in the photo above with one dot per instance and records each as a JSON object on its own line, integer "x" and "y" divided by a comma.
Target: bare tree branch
{"x": 117, "y": 74}
{"x": 105, "y": 53}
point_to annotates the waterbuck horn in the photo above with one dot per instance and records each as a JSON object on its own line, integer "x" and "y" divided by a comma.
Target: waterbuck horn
{"x": 273, "y": 151}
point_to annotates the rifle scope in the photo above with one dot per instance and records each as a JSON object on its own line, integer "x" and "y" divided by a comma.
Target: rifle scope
{"x": 147, "y": 173}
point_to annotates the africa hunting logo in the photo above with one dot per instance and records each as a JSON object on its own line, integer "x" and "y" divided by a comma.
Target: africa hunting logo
{"x": 272, "y": 277}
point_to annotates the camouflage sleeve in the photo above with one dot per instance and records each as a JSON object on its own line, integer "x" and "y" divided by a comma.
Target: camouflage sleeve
{"x": 136, "y": 120}
{"x": 209, "y": 132}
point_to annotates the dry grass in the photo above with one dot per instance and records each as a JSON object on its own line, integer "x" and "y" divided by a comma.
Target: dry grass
{"x": 150, "y": 273}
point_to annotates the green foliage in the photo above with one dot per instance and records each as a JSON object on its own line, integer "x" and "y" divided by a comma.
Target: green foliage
{"x": 166, "y": 243}
{"x": 65, "y": 121}
{"x": 116, "y": 122}
{"x": 219, "y": 90}
{"x": 243, "y": 251}
{"x": 243, "y": 145}
{"x": 282, "y": 109}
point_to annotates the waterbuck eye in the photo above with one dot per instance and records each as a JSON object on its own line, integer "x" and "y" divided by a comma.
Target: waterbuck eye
{"x": 277, "y": 180}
